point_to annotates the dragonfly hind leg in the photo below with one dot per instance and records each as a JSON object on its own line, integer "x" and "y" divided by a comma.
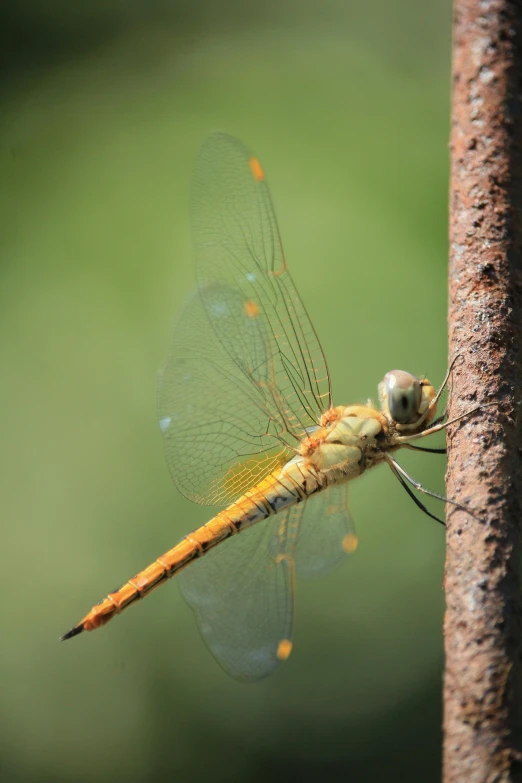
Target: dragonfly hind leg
{"x": 402, "y": 475}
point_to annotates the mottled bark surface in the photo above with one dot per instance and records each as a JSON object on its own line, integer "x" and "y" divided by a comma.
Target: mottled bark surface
{"x": 482, "y": 697}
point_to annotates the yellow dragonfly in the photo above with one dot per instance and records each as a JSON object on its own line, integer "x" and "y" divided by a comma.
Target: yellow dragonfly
{"x": 249, "y": 424}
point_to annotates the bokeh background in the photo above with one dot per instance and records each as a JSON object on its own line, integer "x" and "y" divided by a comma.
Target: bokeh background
{"x": 103, "y": 107}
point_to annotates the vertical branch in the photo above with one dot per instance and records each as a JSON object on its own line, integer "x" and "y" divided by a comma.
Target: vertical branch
{"x": 482, "y": 698}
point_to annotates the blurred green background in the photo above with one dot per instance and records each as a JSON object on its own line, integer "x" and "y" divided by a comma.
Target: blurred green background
{"x": 103, "y": 108}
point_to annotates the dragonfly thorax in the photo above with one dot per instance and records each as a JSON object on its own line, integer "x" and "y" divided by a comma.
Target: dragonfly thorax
{"x": 354, "y": 438}
{"x": 348, "y": 444}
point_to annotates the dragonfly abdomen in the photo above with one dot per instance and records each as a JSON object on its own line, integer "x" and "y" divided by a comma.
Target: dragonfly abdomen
{"x": 163, "y": 568}
{"x": 275, "y": 492}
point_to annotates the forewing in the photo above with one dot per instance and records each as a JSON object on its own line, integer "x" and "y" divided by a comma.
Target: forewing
{"x": 242, "y": 593}
{"x": 246, "y": 374}
{"x": 218, "y": 422}
{"x": 237, "y": 245}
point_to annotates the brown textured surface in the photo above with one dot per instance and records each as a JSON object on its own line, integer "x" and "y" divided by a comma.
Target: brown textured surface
{"x": 482, "y": 696}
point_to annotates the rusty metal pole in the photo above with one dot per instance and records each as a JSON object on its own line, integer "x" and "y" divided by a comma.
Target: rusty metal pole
{"x": 482, "y": 695}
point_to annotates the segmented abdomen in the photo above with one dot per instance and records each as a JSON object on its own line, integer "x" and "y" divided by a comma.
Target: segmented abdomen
{"x": 275, "y": 492}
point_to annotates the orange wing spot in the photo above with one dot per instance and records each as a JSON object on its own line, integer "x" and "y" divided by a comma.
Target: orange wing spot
{"x": 284, "y": 648}
{"x": 350, "y": 542}
{"x": 251, "y": 309}
{"x": 277, "y": 272}
{"x": 256, "y": 169}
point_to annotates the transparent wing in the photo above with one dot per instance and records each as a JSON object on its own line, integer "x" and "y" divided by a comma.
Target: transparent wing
{"x": 242, "y": 593}
{"x": 219, "y": 422}
{"x": 246, "y": 374}
{"x": 237, "y": 245}
{"x": 326, "y": 533}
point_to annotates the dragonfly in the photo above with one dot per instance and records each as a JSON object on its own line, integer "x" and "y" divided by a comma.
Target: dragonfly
{"x": 249, "y": 423}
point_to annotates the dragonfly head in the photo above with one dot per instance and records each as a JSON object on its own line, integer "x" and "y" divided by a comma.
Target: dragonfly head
{"x": 405, "y": 399}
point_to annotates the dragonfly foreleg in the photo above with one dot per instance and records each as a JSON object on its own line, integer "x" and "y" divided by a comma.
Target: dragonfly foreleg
{"x": 404, "y": 439}
{"x": 437, "y": 397}
{"x": 440, "y": 419}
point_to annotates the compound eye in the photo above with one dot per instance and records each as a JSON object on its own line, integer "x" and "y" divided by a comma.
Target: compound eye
{"x": 403, "y": 396}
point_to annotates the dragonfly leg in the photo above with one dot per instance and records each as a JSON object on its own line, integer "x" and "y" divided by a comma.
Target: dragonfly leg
{"x": 418, "y": 486}
{"x": 435, "y": 400}
{"x": 404, "y": 439}
{"x": 439, "y": 419}
{"x": 415, "y": 499}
